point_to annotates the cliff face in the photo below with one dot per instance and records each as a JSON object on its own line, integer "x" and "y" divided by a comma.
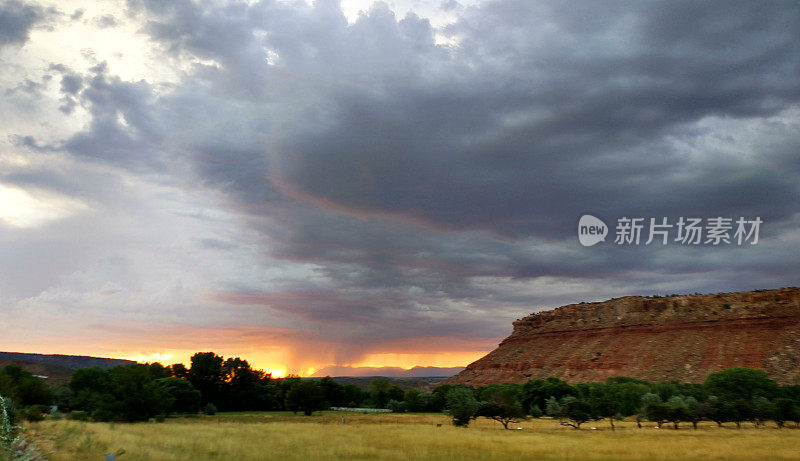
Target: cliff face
{"x": 680, "y": 338}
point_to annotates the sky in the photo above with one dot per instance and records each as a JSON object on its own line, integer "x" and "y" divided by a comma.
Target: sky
{"x": 361, "y": 183}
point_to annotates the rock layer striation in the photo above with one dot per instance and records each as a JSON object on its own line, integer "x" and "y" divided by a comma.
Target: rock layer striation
{"x": 680, "y": 338}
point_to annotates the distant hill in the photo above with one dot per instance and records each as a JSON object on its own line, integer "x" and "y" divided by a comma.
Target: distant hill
{"x": 388, "y": 372}
{"x": 423, "y": 384}
{"x": 54, "y": 375}
{"x": 56, "y": 369}
{"x": 71, "y": 362}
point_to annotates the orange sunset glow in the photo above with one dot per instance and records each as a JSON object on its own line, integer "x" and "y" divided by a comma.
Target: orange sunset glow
{"x": 269, "y": 363}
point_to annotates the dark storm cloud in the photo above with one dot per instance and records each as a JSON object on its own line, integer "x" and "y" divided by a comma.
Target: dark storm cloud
{"x": 515, "y": 131}
{"x": 122, "y": 129}
{"x": 566, "y": 123}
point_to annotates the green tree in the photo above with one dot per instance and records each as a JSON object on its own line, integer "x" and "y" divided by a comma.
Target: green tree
{"x": 438, "y": 398}
{"x": 136, "y": 395}
{"x": 206, "y": 375}
{"x": 158, "y": 371}
{"x": 381, "y": 391}
{"x": 607, "y": 407}
{"x": 646, "y": 400}
{"x": 125, "y": 393}
{"x": 501, "y": 403}
{"x": 537, "y": 391}
{"x": 785, "y": 410}
{"x": 575, "y": 412}
{"x": 665, "y": 390}
{"x": 789, "y": 392}
{"x": 743, "y": 410}
{"x": 763, "y": 410}
{"x": 696, "y": 410}
{"x": 306, "y": 396}
{"x": 415, "y": 400}
{"x": 695, "y": 390}
{"x": 740, "y": 383}
{"x": 178, "y": 370}
{"x": 352, "y": 395}
{"x": 24, "y": 388}
{"x": 89, "y": 386}
{"x": 271, "y": 396}
{"x": 461, "y": 405}
{"x": 242, "y": 387}
{"x": 657, "y": 412}
{"x": 677, "y": 410}
{"x": 627, "y": 392}
{"x": 185, "y": 398}
{"x": 334, "y": 392}
{"x": 721, "y": 411}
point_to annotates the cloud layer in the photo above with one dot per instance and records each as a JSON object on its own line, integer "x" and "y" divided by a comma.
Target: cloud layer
{"x": 347, "y": 187}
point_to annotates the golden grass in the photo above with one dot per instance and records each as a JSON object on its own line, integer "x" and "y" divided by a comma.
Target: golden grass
{"x": 260, "y": 436}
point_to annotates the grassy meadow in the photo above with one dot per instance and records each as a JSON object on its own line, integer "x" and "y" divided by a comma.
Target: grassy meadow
{"x": 340, "y": 435}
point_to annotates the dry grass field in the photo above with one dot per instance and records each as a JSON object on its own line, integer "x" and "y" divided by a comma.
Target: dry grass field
{"x": 334, "y": 435}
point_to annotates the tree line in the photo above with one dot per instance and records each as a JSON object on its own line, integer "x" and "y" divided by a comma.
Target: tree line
{"x": 734, "y": 395}
{"x": 212, "y": 383}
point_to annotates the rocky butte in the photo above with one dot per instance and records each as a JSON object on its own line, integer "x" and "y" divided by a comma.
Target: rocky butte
{"x": 681, "y": 338}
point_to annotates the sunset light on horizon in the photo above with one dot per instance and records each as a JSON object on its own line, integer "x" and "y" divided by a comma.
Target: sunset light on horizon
{"x": 270, "y": 364}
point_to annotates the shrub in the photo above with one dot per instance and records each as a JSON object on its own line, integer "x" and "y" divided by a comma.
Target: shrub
{"x": 78, "y": 416}
{"x": 210, "y": 409}
{"x": 32, "y": 413}
{"x": 553, "y": 408}
{"x": 396, "y": 407}
{"x": 12, "y": 446}
{"x": 103, "y": 414}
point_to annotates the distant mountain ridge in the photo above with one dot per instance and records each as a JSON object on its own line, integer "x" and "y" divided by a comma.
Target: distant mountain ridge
{"x": 72, "y": 362}
{"x": 389, "y": 372}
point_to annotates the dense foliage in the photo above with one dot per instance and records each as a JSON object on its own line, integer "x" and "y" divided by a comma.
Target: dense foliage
{"x": 143, "y": 391}
{"x": 734, "y": 395}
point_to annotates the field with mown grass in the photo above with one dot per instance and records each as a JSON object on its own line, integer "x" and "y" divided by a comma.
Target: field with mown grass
{"x": 342, "y": 435}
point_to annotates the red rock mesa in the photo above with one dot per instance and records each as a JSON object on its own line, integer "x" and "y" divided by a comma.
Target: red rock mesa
{"x": 680, "y": 338}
